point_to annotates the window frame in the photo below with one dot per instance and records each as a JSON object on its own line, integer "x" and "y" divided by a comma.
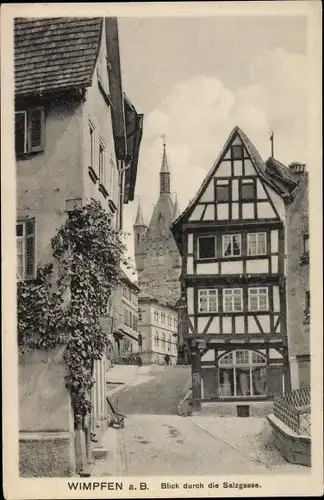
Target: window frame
{"x": 305, "y": 243}
{"x": 102, "y": 163}
{"x": 247, "y": 182}
{"x": 226, "y": 294}
{"x": 22, "y": 240}
{"x": 28, "y": 130}
{"x": 257, "y": 244}
{"x": 207, "y": 292}
{"x": 224, "y": 236}
{"x": 222, "y": 186}
{"x": 198, "y": 247}
{"x": 257, "y": 294}
{"x": 236, "y": 147}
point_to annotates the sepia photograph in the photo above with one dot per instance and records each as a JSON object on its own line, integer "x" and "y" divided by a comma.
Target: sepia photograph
{"x": 163, "y": 251}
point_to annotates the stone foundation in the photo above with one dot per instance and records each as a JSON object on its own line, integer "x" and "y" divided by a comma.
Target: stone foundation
{"x": 234, "y": 409}
{"x": 294, "y": 448}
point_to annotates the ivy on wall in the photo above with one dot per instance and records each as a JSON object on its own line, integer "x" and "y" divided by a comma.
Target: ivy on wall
{"x": 88, "y": 253}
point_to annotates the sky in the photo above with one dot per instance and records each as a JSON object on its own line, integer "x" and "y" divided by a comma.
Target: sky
{"x": 195, "y": 79}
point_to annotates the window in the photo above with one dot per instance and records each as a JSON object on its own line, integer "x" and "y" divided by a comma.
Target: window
{"x": 161, "y": 260}
{"x": 207, "y": 300}
{"x": 163, "y": 318}
{"x": 247, "y": 190}
{"x": 231, "y": 245}
{"x": 154, "y": 260}
{"x": 206, "y": 247}
{"x": 155, "y": 316}
{"x": 169, "y": 343}
{"x": 157, "y": 340}
{"x": 306, "y": 243}
{"x": 258, "y": 299}
{"x": 26, "y": 249}
{"x": 242, "y": 373}
{"x": 257, "y": 244}
{"x": 126, "y": 318}
{"x": 91, "y": 147}
{"x": 237, "y": 152}
{"x": 29, "y": 130}
{"x": 232, "y": 300}
{"x": 140, "y": 315}
{"x": 102, "y": 176}
{"x": 134, "y": 322}
{"x": 307, "y": 300}
{"x": 222, "y": 192}
{"x": 163, "y": 340}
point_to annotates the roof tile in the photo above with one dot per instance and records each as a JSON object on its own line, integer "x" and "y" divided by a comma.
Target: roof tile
{"x": 55, "y": 53}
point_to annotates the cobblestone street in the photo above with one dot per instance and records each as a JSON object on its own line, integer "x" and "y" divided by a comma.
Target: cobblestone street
{"x": 158, "y": 442}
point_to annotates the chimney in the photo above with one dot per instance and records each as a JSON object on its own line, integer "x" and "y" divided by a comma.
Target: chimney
{"x": 298, "y": 169}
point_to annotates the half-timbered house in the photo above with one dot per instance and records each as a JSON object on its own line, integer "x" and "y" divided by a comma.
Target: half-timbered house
{"x": 232, "y": 241}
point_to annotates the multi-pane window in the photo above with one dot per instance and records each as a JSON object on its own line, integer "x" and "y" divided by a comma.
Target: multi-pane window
{"x": 206, "y": 247}
{"x": 163, "y": 318}
{"x": 258, "y": 299}
{"x": 248, "y": 190}
{"x": 154, "y": 260}
{"x": 102, "y": 166}
{"x": 242, "y": 373}
{"x": 208, "y": 300}
{"x": 233, "y": 299}
{"x": 232, "y": 245}
{"x": 26, "y": 249}
{"x": 257, "y": 244}
{"x": 222, "y": 192}
{"x": 29, "y": 130}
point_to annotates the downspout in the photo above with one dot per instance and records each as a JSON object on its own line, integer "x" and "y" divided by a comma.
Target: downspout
{"x": 121, "y": 172}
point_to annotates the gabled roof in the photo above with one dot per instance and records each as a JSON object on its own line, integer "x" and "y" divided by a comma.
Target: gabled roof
{"x": 277, "y": 168}
{"x": 255, "y": 158}
{"x": 55, "y": 53}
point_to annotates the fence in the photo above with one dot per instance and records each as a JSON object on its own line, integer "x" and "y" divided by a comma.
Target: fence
{"x": 294, "y": 410}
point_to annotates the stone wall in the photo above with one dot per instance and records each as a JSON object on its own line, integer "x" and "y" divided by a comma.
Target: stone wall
{"x": 46, "y": 427}
{"x": 297, "y": 285}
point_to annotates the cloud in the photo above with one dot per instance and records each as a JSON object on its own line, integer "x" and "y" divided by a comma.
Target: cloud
{"x": 198, "y": 115}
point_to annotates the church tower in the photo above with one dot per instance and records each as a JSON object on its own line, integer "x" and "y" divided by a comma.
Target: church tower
{"x": 158, "y": 261}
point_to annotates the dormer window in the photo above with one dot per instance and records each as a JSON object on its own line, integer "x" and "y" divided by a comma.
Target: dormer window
{"x": 207, "y": 247}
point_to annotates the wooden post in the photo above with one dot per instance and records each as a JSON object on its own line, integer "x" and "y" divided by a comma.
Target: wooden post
{"x": 286, "y": 367}
{"x": 196, "y": 379}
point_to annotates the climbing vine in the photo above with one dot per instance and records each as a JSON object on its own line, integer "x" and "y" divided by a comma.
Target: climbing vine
{"x": 88, "y": 253}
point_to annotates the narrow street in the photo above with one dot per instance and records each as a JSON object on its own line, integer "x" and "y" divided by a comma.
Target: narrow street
{"x": 157, "y": 442}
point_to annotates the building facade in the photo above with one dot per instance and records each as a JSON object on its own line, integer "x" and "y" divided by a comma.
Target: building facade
{"x": 158, "y": 325}
{"x": 233, "y": 241}
{"x": 127, "y": 340}
{"x": 298, "y": 289}
{"x": 77, "y": 137}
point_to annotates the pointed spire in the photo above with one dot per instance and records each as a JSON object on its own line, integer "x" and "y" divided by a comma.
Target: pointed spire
{"x": 176, "y": 211}
{"x": 164, "y": 165}
{"x": 164, "y": 172}
{"x": 139, "y": 217}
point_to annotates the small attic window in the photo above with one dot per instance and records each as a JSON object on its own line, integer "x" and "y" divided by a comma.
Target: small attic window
{"x": 237, "y": 152}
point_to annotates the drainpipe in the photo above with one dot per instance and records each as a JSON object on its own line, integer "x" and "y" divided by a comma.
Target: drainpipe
{"x": 121, "y": 172}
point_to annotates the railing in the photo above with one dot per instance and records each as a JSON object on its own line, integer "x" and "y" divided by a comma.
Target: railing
{"x": 294, "y": 410}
